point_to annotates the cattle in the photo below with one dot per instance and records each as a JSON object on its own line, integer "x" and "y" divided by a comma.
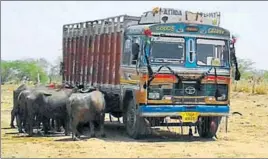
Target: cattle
{"x": 49, "y": 104}
{"x": 86, "y": 107}
{"x": 14, "y": 111}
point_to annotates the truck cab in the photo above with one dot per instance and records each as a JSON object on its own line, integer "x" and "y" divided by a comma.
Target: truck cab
{"x": 182, "y": 68}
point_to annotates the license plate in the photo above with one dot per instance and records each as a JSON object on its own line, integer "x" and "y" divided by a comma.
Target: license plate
{"x": 189, "y": 117}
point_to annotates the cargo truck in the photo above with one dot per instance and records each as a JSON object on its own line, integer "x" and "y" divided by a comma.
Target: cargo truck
{"x": 165, "y": 64}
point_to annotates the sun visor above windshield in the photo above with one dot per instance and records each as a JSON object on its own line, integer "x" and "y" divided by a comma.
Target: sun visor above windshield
{"x": 169, "y": 15}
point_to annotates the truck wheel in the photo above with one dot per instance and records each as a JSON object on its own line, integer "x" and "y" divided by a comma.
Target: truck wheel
{"x": 208, "y": 126}
{"x": 135, "y": 125}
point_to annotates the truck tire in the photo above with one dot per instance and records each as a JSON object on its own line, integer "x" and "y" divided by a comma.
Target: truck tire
{"x": 135, "y": 125}
{"x": 208, "y": 126}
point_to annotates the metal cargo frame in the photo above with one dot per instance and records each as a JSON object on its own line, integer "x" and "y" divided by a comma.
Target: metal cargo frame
{"x": 92, "y": 51}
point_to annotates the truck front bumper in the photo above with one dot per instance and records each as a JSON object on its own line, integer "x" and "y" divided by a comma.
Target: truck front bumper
{"x": 176, "y": 110}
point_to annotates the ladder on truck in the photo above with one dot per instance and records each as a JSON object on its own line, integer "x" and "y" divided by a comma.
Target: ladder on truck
{"x": 77, "y": 66}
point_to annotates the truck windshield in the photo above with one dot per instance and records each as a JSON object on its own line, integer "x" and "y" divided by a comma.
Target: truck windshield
{"x": 167, "y": 50}
{"x": 212, "y": 52}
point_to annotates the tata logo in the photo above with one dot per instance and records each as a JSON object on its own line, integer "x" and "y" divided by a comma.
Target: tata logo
{"x": 190, "y": 90}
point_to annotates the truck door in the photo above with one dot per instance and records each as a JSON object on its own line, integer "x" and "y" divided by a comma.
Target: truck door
{"x": 190, "y": 53}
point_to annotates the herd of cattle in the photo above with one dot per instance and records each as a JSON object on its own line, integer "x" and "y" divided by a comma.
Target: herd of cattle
{"x": 66, "y": 107}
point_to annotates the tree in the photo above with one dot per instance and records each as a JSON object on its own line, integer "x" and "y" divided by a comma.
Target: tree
{"x": 54, "y": 72}
{"x": 246, "y": 67}
{"x": 19, "y": 69}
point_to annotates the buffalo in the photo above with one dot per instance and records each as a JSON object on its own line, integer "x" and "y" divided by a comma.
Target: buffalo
{"x": 49, "y": 104}
{"x": 14, "y": 111}
{"x": 86, "y": 107}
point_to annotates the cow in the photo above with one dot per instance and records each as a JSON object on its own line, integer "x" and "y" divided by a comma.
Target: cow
{"x": 86, "y": 107}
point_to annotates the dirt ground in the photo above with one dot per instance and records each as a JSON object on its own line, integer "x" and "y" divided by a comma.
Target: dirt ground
{"x": 247, "y": 137}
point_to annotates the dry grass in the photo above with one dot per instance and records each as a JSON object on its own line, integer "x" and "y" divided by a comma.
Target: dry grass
{"x": 260, "y": 88}
{"x": 247, "y": 137}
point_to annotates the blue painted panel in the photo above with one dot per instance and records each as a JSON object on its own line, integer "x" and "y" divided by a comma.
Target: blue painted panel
{"x": 180, "y": 28}
{"x": 188, "y": 64}
{"x": 184, "y": 108}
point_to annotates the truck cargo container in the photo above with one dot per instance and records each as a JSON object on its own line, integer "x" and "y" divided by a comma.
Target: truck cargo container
{"x": 165, "y": 64}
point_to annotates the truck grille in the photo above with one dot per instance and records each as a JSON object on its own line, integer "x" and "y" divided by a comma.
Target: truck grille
{"x": 190, "y": 89}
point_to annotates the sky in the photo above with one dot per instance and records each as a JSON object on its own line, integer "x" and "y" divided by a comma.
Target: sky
{"x": 32, "y": 29}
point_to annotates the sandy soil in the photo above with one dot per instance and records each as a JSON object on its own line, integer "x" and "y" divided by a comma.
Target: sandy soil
{"x": 247, "y": 137}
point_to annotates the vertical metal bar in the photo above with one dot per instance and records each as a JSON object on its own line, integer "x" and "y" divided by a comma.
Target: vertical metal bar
{"x": 90, "y": 54}
{"x": 96, "y": 56}
{"x": 85, "y": 47}
{"x": 106, "y": 56}
{"x": 68, "y": 54}
{"x": 76, "y": 54}
{"x": 82, "y": 54}
{"x": 79, "y": 54}
{"x": 118, "y": 53}
{"x": 72, "y": 66}
{"x": 100, "y": 65}
{"x": 112, "y": 55}
{"x": 64, "y": 39}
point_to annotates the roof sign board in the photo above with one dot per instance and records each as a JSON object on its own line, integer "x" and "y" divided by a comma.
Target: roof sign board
{"x": 170, "y": 15}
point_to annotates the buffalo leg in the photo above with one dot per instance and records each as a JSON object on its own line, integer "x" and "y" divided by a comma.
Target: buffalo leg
{"x": 67, "y": 126}
{"x": 30, "y": 125}
{"x": 92, "y": 128}
{"x": 12, "y": 119}
{"x": 75, "y": 133}
{"x": 58, "y": 125}
{"x": 19, "y": 123}
{"x": 52, "y": 123}
{"x": 46, "y": 124}
{"x": 102, "y": 118}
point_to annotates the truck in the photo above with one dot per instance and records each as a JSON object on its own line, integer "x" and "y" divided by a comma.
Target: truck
{"x": 167, "y": 67}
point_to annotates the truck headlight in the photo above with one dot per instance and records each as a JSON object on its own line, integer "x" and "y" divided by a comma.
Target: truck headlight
{"x": 223, "y": 97}
{"x": 153, "y": 94}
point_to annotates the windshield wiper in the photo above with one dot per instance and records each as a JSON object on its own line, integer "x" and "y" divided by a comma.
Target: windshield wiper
{"x": 199, "y": 79}
{"x": 157, "y": 72}
{"x": 149, "y": 68}
{"x": 217, "y": 91}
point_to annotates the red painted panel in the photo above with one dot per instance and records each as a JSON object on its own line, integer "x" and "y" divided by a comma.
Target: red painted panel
{"x": 99, "y": 79}
{"x": 72, "y": 60}
{"x": 90, "y": 59}
{"x": 106, "y": 59}
{"x": 79, "y": 64}
{"x": 118, "y": 58}
{"x": 96, "y": 59}
{"x": 81, "y": 59}
{"x": 85, "y": 58}
{"x": 67, "y": 62}
{"x": 112, "y": 59}
{"x": 64, "y": 53}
